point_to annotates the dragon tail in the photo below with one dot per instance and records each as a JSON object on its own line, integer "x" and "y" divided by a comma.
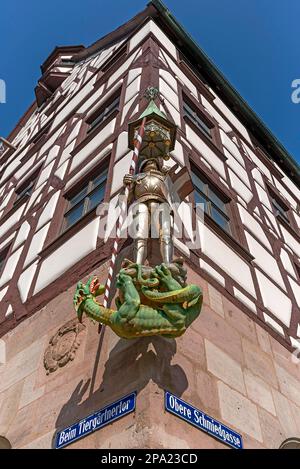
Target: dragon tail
{"x": 188, "y": 293}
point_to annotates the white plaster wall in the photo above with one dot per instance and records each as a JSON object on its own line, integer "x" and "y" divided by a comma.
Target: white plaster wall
{"x": 296, "y": 290}
{"x": 169, "y": 79}
{"x": 169, "y": 93}
{"x": 7, "y": 240}
{"x": 37, "y": 244}
{"x": 243, "y": 191}
{"x": 48, "y": 212}
{"x": 232, "y": 119}
{"x": 108, "y": 224}
{"x": 208, "y": 268}
{"x": 291, "y": 241}
{"x": 126, "y": 108}
{"x": 265, "y": 260}
{"x": 6, "y": 199}
{"x": 273, "y": 324}
{"x": 253, "y": 226}
{"x": 180, "y": 76}
{"x": 53, "y": 152}
{"x": 182, "y": 247}
{"x": 147, "y": 29}
{"x": 297, "y": 218}
{"x": 237, "y": 168}
{"x": 263, "y": 196}
{"x": 214, "y": 113}
{"x": 93, "y": 144}
{"x": 25, "y": 281}
{"x": 34, "y": 198}
{"x": 61, "y": 171}
{"x": 133, "y": 89}
{"x": 274, "y": 299}
{"x": 177, "y": 153}
{"x": 257, "y": 175}
{"x": 24, "y": 171}
{"x": 271, "y": 221}
{"x": 93, "y": 100}
{"x": 104, "y": 98}
{"x": 292, "y": 201}
{"x": 50, "y": 141}
{"x": 133, "y": 74}
{"x": 244, "y": 299}
{"x": 293, "y": 188}
{"x": 227, "y": 259}
{"x": 3, "y": 293}
{"x": 77, "y": 247}
{"x": 74, "y": 133}
{"x": 257, "y": 161}
{"x": 10, "y": 267}
{"x": 286, "y": 261}
{"x": 120, "y": 169}
{"x": 122, "y": 145}
{"x": 205, "y": 151}
{"x": 66, "y": 152}
{"x": 105, "y": 54}
{"x": 185, "y": 213}
{"x": 123, "y": 68}
{"x": 45, "y": 174}
{"x": 22, "y": 234}
{"x": 231, "y": 147}
{"x": 174, "y": 113}
{"x": 10, "y": 169}
{"x": 14, "y": 218}
{"x": 75, "y": 101}
{"x": 90, "y": 165}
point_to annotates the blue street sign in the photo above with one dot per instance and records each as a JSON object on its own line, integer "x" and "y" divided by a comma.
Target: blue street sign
{"x": 202, "y": 421}
{"x": 96, "y": 421}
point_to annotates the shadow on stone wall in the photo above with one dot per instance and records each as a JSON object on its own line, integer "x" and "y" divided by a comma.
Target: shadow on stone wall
{"x": 130, "y": 366}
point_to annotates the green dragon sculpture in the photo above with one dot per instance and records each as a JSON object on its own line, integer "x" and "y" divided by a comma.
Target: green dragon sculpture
{"x": 157, "y": 305}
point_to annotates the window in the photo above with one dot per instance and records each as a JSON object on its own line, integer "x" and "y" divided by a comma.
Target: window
{"x": 25, "y": 190}
{"x": 214, "y": 203}
{"x": 116, "y": 56}
{"x": 3, "y": 256}
{"x": 190, "y": 112}
{"x": 104, "y": 112}
{"x": 85, "y": 199}
{"x": 281, "y": 210}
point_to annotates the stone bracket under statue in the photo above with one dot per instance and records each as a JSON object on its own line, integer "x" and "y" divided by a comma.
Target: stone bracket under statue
{"x": 152, "y": 299}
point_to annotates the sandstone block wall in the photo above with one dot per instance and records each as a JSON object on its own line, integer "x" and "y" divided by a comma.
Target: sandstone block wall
{"x": 225, "y": 364}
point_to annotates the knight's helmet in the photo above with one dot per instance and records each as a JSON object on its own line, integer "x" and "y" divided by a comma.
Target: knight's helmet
{"x": 159, "y": 160}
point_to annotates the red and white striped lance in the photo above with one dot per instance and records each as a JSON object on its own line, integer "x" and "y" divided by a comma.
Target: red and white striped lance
{"x": 123, "y": 206}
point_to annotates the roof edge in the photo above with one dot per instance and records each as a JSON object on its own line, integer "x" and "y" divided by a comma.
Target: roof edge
{"x": 256, "y": 126}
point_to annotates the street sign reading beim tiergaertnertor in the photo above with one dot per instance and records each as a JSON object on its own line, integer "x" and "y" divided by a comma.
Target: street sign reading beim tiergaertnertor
{"x": 202, "y": 421}
{"x": 96, "y": 421}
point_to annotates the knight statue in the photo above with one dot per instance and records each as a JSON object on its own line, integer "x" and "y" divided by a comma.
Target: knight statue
{"x": 152, "y": 299}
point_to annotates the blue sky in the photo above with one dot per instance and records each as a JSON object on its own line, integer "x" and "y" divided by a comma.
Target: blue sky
{"x": 253, "y": 42}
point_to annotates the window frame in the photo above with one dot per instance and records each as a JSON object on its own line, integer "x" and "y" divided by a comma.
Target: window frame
{"x": 197, "y": 115}
{"x": 277, "y": 203}
{"x": 105, "y": 111}
{"x": 87, "y": 181}
{"x": 211, "y": 187}
{"x": 20, "y": 195}
{"x": 3, "y": 257}
{"x": 297, "y": 269}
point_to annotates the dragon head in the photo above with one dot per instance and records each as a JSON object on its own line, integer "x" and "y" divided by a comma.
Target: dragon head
{"x": 83, "y": 291}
